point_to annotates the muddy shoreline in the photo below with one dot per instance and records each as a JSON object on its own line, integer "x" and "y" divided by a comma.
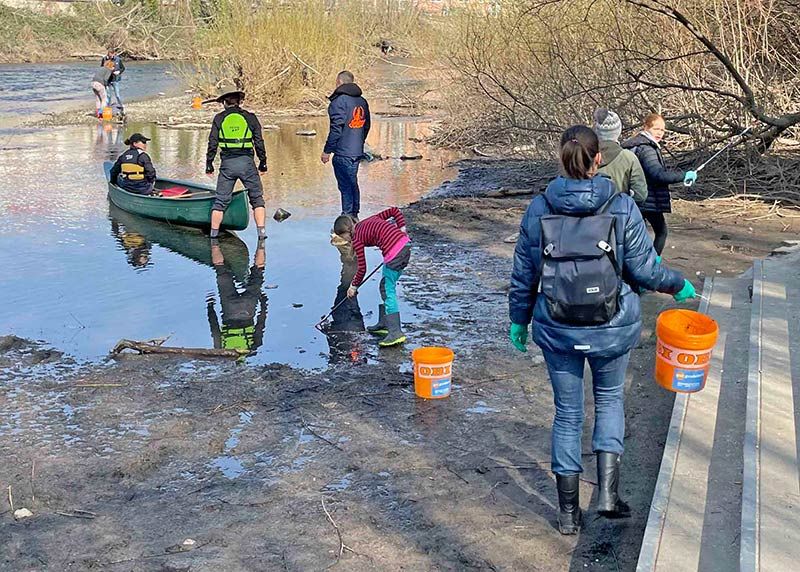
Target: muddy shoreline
{"x": 239, "y": 459}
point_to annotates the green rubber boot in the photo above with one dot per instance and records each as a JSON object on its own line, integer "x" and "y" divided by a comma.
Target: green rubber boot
{"x": 379, "y": 329}
{"x": 395, "y": 335}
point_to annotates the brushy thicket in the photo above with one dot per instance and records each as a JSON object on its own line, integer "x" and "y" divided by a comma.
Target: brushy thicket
{"x": 537, "y": 66}
{"x": 287, "y": 54}
{"x": 141, "y": 29}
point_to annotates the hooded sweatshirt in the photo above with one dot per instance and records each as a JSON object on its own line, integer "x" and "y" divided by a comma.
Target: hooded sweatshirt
{"x": 634, "y": 251}
{"x": 623, "y": 168}
{"x": 350, "y": 122}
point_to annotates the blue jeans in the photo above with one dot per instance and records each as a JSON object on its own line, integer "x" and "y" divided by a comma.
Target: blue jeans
{"x": 346, "y": 171}
{"x": 608, "y": 385}
{"x": 115, "y": 86}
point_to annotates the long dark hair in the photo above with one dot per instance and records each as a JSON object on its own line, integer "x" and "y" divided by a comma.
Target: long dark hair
{"x": 579, "y": 147}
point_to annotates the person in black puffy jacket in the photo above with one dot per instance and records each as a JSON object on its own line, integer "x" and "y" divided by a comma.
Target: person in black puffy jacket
{"x": 647, "y": 147}
{"x": 582, "y": 192}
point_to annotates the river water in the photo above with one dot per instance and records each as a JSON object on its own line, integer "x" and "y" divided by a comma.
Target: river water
{"x": 80, "y": 276}
{"x": 30, "y": 91}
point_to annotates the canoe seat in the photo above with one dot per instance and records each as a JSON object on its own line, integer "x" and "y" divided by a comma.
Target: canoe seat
{"x": 174, "y": 191}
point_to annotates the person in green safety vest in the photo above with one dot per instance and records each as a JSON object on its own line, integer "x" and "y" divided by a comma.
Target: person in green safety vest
{"x": 238, "y": 330}
{"x": 237, "y": 133}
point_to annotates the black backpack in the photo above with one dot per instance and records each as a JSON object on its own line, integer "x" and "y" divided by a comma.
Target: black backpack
{"x": 580, "y": 276}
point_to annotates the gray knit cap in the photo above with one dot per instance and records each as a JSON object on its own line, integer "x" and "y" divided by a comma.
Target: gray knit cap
{"x": 607, "y": 125}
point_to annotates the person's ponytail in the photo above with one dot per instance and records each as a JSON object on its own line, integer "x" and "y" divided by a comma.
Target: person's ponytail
{"x": 127, "y": 141}
{"x": 579, "y": 147}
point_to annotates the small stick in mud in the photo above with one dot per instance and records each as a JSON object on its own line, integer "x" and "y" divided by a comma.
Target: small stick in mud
{"x": 342, "y": 545}
{"x": 320, "y": 437}
{"x": 10, "y": 499}
{"x": 77, "y": 513}
{"x": 33, "y": 476}
{"x": 150, "y": 348}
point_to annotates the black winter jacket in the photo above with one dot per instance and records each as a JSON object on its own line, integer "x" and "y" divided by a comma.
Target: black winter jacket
{"x": 141, "y": 158}
{"x": 350, "y": 122}
{"x": 659, "y": 178}
{"x": 634, "y": 249}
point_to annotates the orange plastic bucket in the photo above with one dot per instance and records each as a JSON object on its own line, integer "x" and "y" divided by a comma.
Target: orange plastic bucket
{"x": 685, "y": 340}
{"x": 108, "y": 115}
{"x": 433, "y": 368}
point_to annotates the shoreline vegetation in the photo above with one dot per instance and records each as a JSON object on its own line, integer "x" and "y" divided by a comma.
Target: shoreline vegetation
{"x": 683, "y": 59}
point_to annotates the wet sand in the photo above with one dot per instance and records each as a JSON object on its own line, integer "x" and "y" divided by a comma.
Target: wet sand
{"x": 240, "y": 459}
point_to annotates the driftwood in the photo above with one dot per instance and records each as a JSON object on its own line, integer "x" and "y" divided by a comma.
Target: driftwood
{"x": 509, "y": 193}
{"x": 156, "y": 348}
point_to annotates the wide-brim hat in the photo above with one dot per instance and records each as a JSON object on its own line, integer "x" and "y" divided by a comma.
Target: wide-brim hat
{"x": 224, "y": 90}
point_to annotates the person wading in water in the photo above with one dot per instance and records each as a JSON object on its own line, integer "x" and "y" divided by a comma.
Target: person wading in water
{"x": 350, "y": 123}
{"x": 581, "y": 247}
{"x": 237, "y": 133}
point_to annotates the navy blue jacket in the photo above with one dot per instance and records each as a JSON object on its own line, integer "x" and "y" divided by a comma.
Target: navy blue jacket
{"x": 118, "y": 67}
{"x": 659, "y": 178}
{"x": 634, "y": 250}
{"x": 350, "y": 122}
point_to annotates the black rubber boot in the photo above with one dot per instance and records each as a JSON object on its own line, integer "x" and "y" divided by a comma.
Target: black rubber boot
{"x": 609, "y": 504}
{"x": 569, "y": 508}
{"x": 380, "y": 328}
{"x": 395, "y": 335}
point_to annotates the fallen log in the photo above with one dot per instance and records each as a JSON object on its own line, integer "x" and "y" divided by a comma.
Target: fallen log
{"x": 151, "y": 348}
{"x": 509, "y": 193}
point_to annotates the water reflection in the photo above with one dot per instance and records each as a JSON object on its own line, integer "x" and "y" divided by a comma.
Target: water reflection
{"x": 238, "y": 330}
{"x": 242, "y": 301}
{"x": 344, "y": 332}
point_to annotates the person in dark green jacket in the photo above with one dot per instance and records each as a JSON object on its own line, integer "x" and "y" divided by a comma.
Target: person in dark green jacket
{"x": 618, "y": 164}
{"x": 237, "y": 133}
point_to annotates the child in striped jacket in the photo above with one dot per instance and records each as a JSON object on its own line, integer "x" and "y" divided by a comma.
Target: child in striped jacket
{"x": 395, "y": 246}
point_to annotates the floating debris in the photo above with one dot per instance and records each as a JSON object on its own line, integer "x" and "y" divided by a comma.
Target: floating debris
{"x": 306, "y": 133}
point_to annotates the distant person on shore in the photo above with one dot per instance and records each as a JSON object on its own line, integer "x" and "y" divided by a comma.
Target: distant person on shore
{"x": 237, "y": 133}
{"x": 576, "y": 287}
{"x": 133, "y": 170}
{"x": 618, "y": 164}
{"x": 117, "y": 69}
{"x": 349, "y": 126}
{"x": 647, "y": 146}
{"x": 395, "y": 245}
{"x": 99, "y": 85}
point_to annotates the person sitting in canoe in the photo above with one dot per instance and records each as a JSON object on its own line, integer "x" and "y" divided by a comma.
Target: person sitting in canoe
{"x": 134, "y": 171}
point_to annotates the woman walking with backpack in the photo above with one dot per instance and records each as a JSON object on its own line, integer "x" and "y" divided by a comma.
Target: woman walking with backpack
{"x": 647, "y": 147}
{"x": 581, "y": 247}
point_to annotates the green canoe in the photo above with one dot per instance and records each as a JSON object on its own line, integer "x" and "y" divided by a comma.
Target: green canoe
{"x": 190, "y": 209}
{"x": 136, "y": 235}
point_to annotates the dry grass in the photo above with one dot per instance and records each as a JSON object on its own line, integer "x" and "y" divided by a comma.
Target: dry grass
{"x": 285, "y": 55}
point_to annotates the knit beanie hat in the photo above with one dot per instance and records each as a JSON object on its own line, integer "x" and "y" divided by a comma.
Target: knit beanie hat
{"x": 607, "y": 125}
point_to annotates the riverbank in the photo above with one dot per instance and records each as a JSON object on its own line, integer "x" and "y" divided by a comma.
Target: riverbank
{"x": 256, "y": 464}
{"x": 395, "y": 89}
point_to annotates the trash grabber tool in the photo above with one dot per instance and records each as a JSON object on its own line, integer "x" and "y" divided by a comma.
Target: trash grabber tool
{"x": 336, "y": 307}
{"x": 717, "y": 154}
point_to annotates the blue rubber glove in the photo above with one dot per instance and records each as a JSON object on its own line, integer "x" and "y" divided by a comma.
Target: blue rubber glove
{"x": 689, "y": 178}
{"x": 519, "y": 336}
{"x": 687, "y": 292}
